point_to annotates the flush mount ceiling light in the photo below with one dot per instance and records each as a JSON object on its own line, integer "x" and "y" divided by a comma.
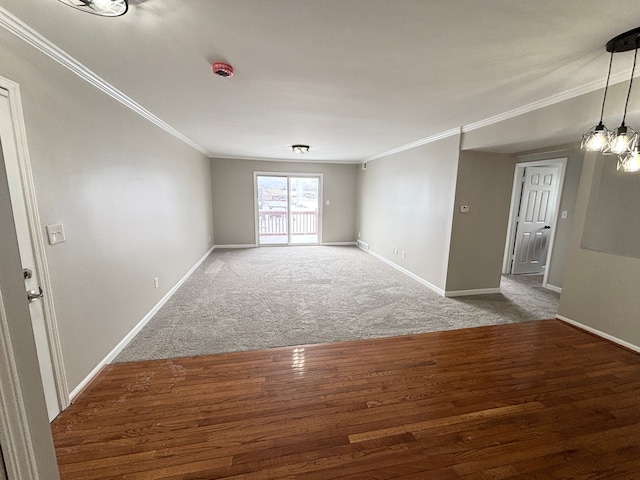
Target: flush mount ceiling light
{"x": 623, "y": 141}
{"x": 300, "y": 149}
{"x": 104, "y": 8}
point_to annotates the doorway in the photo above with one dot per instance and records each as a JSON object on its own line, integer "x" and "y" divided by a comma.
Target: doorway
{"x": 288, "y": 209}
{"x": 533, "y": 218}
{"x": 31, "y": 247}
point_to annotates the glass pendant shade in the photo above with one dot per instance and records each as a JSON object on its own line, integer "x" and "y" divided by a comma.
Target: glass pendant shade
{"x": 622, "y": 141}
{"x": 105, "y": 8}
{"x": 630, "y": 162}
{"x": 595, "y": 139}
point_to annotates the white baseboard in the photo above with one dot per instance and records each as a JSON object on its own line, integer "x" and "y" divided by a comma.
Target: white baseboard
{"x": 599, "y": 333}
{"x": 438, "y": 290}
{"x": 125, "y": 341}
{"x": 240, "y": 245}
{"x": 477, "y": 291}
{"x": 553, "y": 288}
{"x": 253, "y": 245}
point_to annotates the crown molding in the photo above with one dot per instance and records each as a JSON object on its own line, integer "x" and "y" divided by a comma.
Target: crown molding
{"x": 417, "y": 143}
{"x": 284, "y": 160}
{"x": 546, "y": 102}
{"x": 23, "y": 31}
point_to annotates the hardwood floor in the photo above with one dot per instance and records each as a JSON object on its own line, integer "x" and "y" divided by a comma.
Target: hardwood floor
{"x": 520, "y": 401}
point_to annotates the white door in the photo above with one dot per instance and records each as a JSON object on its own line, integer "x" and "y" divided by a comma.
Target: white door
{"x": 25, "y": 245}
{"x": 535, "y": 218}
{"x": 3, "y": 470}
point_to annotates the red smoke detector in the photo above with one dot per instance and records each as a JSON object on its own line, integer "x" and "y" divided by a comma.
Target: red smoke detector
{"x": 222, "y": 69}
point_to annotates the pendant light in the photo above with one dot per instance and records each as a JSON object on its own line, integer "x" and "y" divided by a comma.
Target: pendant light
{"x": 630, "y": 162}
{"x": 624, "y": 140}
{"x": 596, "y": 139}
{"x": 104, "y": 8}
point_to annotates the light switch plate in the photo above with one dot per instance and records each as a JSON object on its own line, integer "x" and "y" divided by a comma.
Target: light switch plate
{"x": 55, "y": 234}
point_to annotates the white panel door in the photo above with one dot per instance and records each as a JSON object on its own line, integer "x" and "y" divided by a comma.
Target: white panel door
{"x": 3, "y": 470}
{"x": 535, "y": 217}
{"x": 9, "y": 149}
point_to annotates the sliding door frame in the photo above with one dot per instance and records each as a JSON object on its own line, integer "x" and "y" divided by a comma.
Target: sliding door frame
{"x": 287, "y": 175}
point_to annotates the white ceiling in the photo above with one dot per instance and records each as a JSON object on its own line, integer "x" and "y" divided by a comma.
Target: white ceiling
{"x": 351, "y": 78}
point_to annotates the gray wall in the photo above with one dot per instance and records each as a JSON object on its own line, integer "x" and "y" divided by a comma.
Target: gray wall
{"x": 613, "y": 217}
{"x": 233, "y": 198}
{"x": 601, "y": 289}
{"x": 484, "y": 183}
{"x": 135, "y": 203}
{"x": 21, "y": 338}
{"x": 575, "y": 158}
{"x": 405, "y": 201}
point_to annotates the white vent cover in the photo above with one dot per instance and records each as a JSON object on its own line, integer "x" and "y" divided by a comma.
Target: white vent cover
{"x": 363, "y": 246}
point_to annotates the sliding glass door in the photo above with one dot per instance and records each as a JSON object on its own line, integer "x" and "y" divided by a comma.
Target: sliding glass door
{"x": 288, "y": 209}
{"x": 273, "y": 210}
{"x": 304, "y": 210}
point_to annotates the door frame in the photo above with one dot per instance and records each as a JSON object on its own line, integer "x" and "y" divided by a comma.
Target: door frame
{"x": 37, "y": 240}
{"x": 256, "y": 214}
{"x": 561, "y": 164}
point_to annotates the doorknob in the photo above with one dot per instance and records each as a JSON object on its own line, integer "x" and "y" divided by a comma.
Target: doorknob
{"x": 32, "y": 295}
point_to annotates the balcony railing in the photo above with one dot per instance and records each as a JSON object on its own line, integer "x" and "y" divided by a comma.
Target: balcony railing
{"x": 274, "y": 222}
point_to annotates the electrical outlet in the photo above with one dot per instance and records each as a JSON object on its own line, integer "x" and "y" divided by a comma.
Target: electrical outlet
{"x": 404, "y": 254}
{"x": 564, "y": 214}
{"x": 156, "y": 282}
{"x": 464, "y": 208}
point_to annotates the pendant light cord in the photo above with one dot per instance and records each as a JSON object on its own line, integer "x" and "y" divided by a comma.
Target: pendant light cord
{"x": 606, "y": 87}
{"x": 633, "y": 69}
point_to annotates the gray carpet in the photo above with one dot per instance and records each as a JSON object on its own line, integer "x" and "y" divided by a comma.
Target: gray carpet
{"x": 278, "y": 296}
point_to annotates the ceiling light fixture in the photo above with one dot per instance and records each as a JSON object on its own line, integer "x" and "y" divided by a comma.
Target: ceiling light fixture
{"x": 630, "y": 162}
{"x": 594, "y": 140}
{"x": 300, "y": 149}
{"x": 623, "y": 141}
{"x": 104, "y": 8}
